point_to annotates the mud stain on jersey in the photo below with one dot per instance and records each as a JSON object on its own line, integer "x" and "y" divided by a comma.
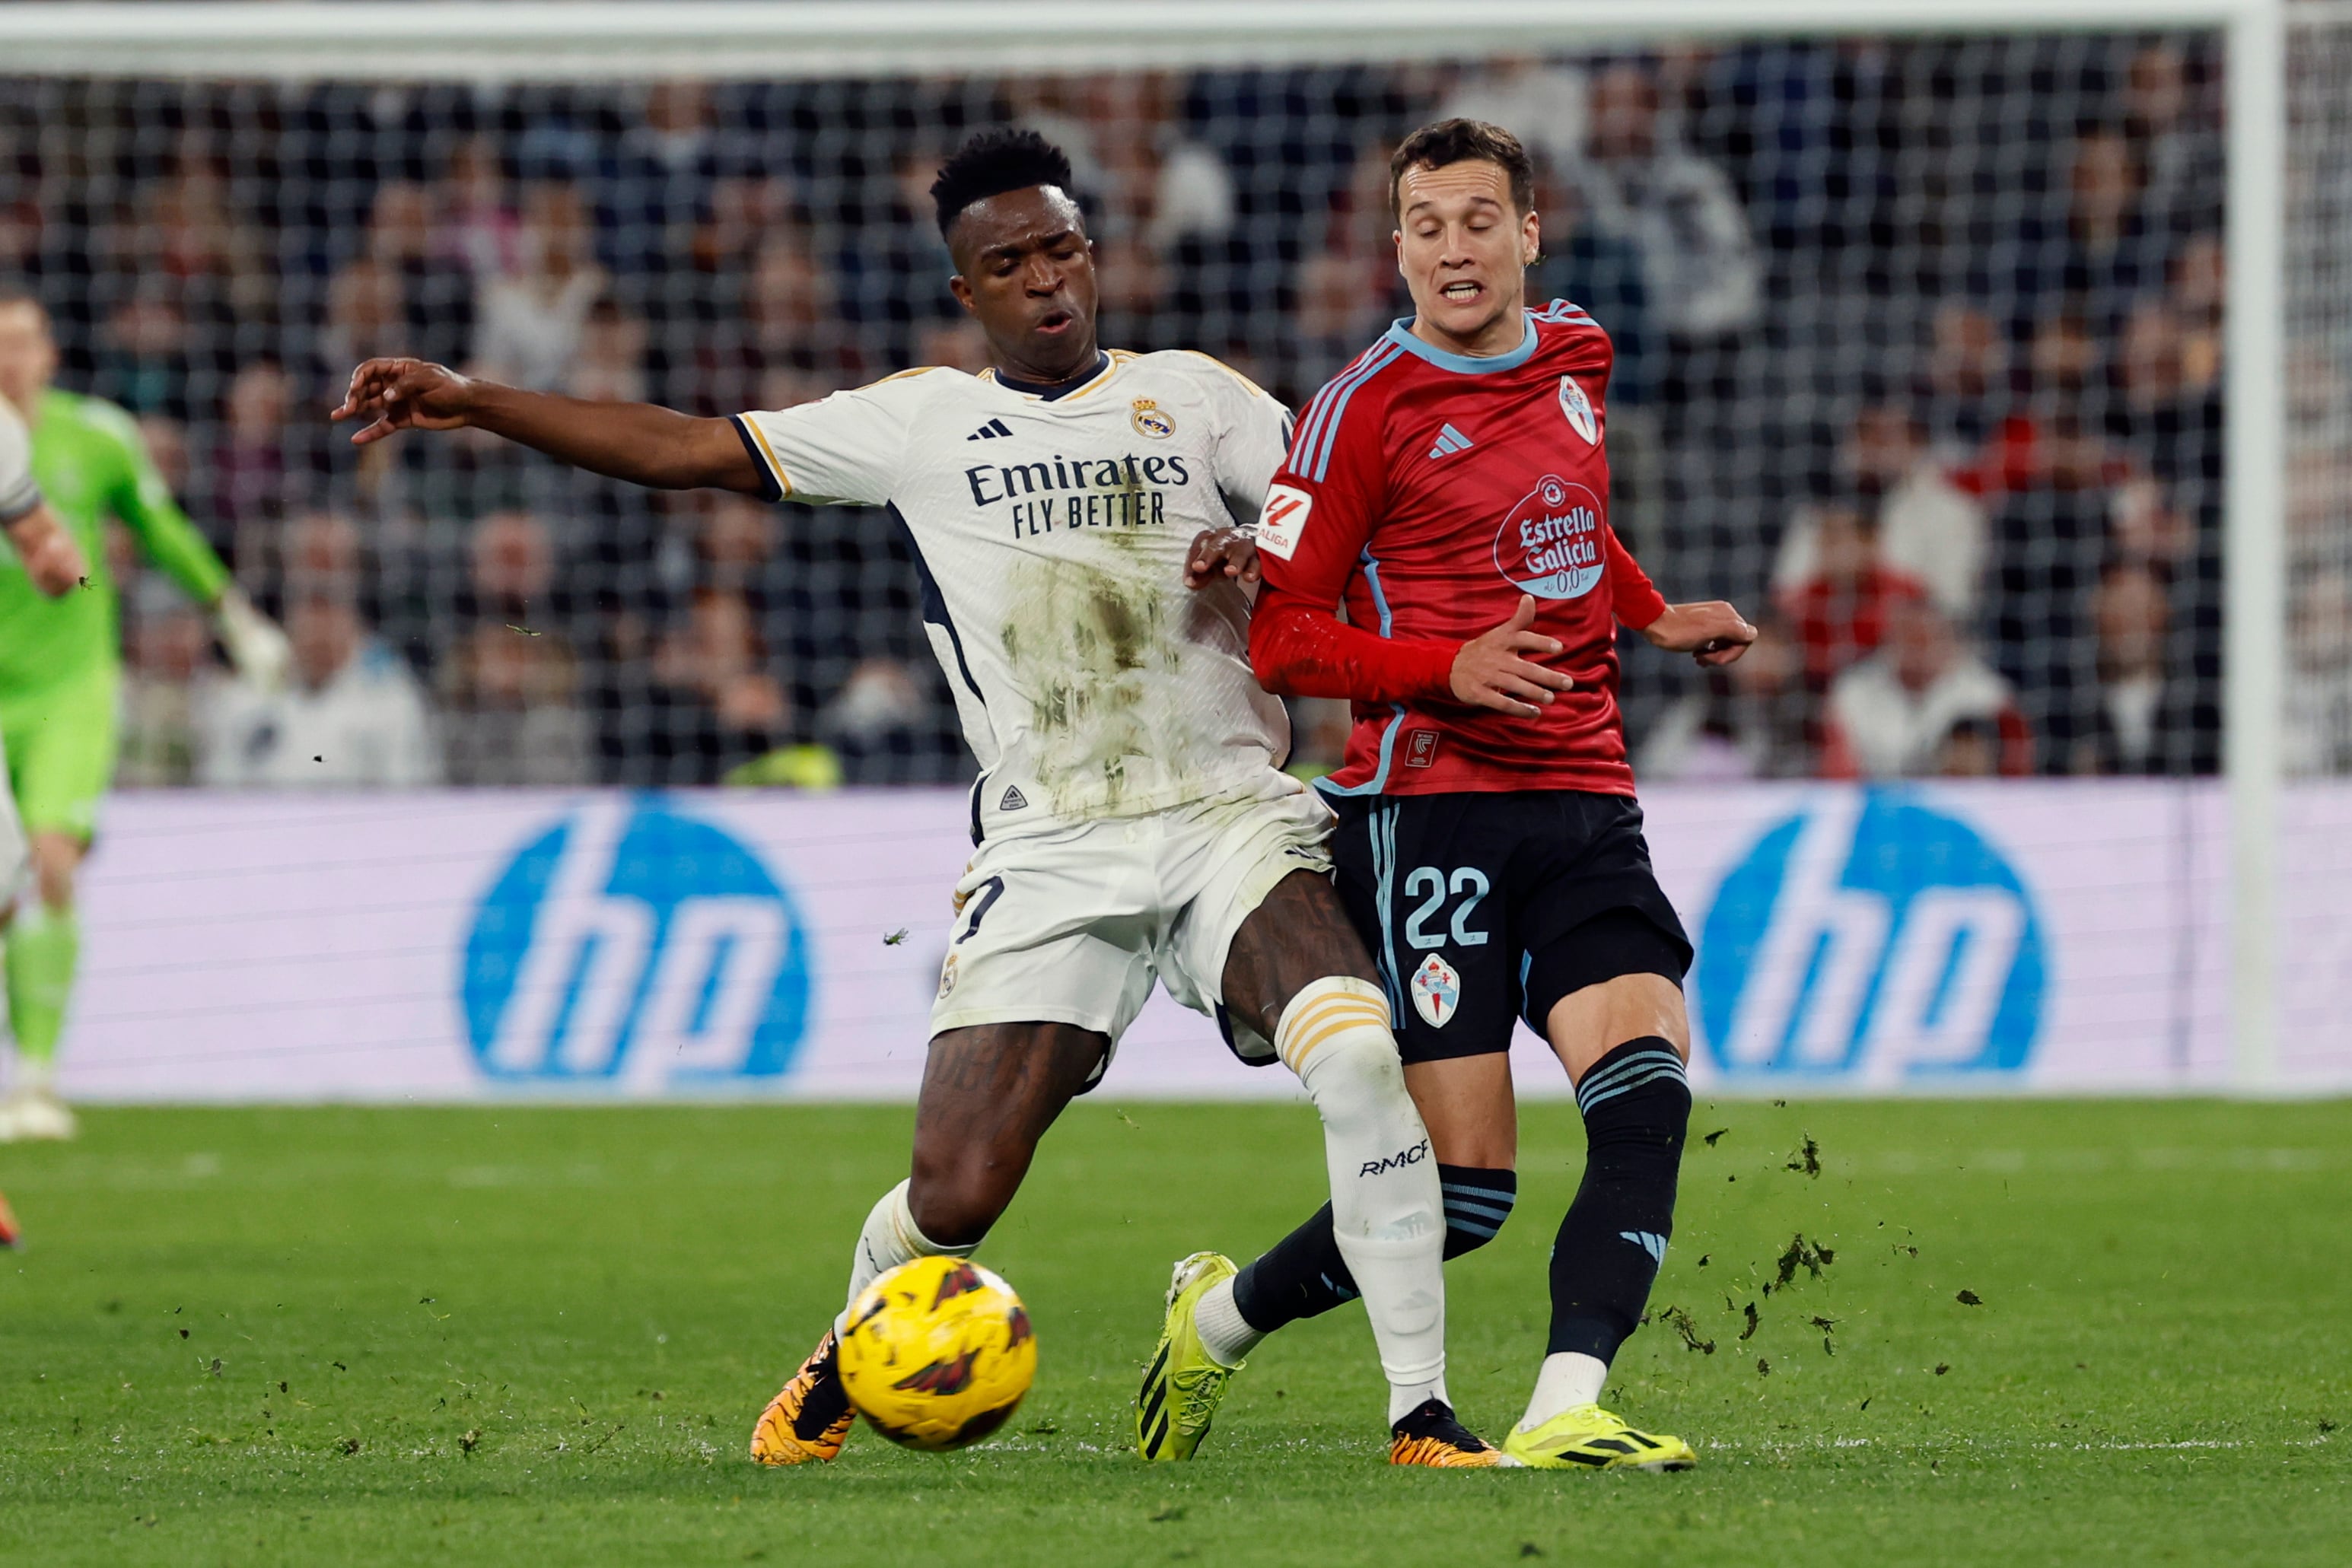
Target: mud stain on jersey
{"x": 1091, "y": 644}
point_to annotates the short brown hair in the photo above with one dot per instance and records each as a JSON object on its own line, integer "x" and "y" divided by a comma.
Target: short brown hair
{"x": 1445, "y": 141}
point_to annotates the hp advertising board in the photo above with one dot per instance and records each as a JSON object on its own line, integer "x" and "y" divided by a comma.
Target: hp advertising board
{"x": 1874, "y": 938}
{"x": 2059, "y": 938}
{"x": 632, "y": 946}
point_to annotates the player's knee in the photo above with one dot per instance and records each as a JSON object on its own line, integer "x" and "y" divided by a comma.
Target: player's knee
{"x": 1359, "y": 1089}
{"x": 1637, "y": 1096}
{"x": 1365, "y": 1055}
{"x": 1335, "y": 1035}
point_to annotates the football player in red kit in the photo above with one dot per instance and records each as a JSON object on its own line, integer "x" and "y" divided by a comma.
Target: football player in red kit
{"x": 1449, "y": 490}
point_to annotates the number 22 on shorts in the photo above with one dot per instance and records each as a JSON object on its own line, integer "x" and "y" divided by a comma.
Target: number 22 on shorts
{"x": 1435, "y": 988}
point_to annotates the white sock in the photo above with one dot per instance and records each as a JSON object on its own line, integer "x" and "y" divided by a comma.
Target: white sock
{"x": 1224, "y": 1332}
{"x": 1569, "y": 1378}
{"x": 891, "y": 1237}
{"x": 1386, "y": 1209}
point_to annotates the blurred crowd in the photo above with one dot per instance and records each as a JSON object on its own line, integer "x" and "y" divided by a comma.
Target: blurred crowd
{"x": 1921, "y": 355}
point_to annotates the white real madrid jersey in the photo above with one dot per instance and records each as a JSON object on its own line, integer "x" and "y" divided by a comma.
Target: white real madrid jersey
{"x": 1051, "y": 532}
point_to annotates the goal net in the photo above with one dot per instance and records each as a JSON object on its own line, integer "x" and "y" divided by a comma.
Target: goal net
{"x": 1921, "y": 355}
{"x": 1996, "y": 356}
{"x": 2318, "y": 734}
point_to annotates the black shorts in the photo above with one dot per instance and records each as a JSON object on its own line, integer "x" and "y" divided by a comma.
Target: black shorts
{"x": 1483, "y": 908}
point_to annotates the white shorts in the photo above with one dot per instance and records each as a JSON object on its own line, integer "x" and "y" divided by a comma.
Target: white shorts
{"x": 1072, "y": 925}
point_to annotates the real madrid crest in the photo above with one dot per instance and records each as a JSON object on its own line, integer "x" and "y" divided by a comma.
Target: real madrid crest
{"x": 1579, "y": 409}
{"x": 1150, "y": 419}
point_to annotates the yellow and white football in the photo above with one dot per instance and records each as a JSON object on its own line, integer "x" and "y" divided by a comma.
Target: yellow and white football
{"x": 938, "y": 1353}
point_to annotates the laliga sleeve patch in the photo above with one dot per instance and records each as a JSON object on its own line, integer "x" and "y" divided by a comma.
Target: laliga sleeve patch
{"x": 1436, "y": 991}
{"x": 1283, "y": 519}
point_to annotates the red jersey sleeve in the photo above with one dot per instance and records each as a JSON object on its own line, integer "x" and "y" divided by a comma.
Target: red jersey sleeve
{"x": 1632, "y": 596}
{"x": 1311, "y": 532}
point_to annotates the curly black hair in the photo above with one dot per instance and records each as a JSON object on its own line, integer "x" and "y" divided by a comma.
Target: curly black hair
{"x": 992, "y": 162}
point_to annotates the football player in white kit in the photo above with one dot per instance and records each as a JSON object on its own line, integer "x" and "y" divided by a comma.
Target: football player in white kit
{"x": 45, "y": 550}
{"x": 1129, "y": 819}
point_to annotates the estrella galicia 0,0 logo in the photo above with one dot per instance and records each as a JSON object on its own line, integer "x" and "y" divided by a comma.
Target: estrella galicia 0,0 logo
{"x": 1549, "y": 545}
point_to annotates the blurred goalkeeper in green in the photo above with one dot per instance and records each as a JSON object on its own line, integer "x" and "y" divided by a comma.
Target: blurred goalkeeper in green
{"x": 60, "y": 673}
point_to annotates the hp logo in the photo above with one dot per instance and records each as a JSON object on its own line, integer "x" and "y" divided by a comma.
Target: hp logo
{"x": 1870, "y": 937}
{"x": 630, "y": 946}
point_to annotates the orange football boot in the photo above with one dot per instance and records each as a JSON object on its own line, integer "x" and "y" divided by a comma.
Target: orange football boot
{"x": 1430, "y": 1435}
{"x": 809, "y": 1420}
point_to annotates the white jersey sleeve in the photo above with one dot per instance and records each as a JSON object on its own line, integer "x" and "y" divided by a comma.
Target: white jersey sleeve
{"x": 19, "y": 493}
{"x": 849, "y": 448}
{"x": 1253, "y": 436}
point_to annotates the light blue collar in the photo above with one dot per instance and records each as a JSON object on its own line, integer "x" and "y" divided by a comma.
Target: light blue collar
{"x": 1402, "y": 335}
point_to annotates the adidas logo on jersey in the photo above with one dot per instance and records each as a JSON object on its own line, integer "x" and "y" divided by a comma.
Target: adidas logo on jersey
{"x": 991, "y": 431}
{"x": 1449, "y": 442}
{"x": 1014, "y": 801}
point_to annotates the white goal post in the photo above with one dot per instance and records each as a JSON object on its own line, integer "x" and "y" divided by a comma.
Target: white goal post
{"x": 820, "y": 38}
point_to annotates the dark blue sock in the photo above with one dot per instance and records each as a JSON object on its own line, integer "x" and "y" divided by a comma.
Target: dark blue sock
{"x": 1636, "y": 1102}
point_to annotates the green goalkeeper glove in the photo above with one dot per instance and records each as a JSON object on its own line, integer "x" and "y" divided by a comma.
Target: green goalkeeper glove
{"x": 256, "y": 646}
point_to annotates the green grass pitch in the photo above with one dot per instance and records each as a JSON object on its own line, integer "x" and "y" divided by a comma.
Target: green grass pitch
{"x": 526, "y": 1336}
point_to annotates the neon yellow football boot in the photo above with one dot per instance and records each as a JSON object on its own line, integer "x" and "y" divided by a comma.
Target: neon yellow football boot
{"x": 1587, "y": 1438}
{"x": 1183, "y": 1385}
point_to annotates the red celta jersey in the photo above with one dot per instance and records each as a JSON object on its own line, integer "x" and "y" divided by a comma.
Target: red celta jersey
{"x": 1426, "y": 492}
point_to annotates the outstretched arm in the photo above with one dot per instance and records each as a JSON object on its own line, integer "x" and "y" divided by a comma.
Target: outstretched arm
{"x": 1711, "y": 632}
{"x": 142, "y": 502}
{"x": 657, "y": 447}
